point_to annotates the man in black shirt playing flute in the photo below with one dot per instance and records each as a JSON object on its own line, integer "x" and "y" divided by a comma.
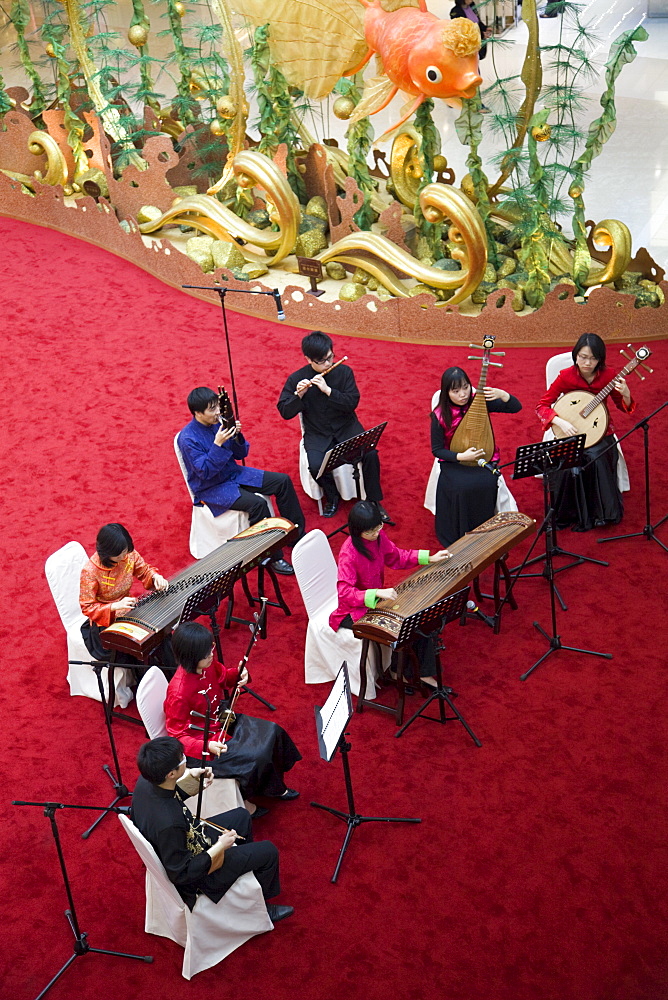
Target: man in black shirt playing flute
{"x": 326, "y": 395}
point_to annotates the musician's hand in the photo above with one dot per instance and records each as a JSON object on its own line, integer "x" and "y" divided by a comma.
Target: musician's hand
{"x": 196, "y": 772}
{"x": 491, "y": 394}
{"x": 319, "y": 381}
{"x": 302, "y": 387}
{"x": 217, "y": 748}
{"x": 237, "y": 427}
{"x": 228, "y": 838}
{"x": 565, "y": 426}
{"x": 126, "y": 604}
{"x": 159, "y": 582}
{"x": 621, "y": 386}
{"x": 389, "y": 594}
{"x": 243, "y": 679}
{"x": 217, "y": 851}
{"x": 224, "y": 434}
{"x": 440, "y": 556}
{"x": 470, "y": 455}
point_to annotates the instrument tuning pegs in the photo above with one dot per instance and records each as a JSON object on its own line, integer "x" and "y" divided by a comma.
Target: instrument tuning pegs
{"x": 641, "y": 377}
{"x": 472, "y": 357}
{"x": 496, "y": 364}
{"x": 478, "y": 347}
{"x": 646, "y": 367}
{"x": 623, "y": 352}
{"x": 498, "y": 354}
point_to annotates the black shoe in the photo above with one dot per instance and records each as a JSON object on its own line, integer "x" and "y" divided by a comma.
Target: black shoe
{"x": 277, "y": 912}
{"x": 289, "y": 793}
{"x": 600, "y": 522}
{"x": 384, "y": 516}
{"x": 331, "y": 507}
{"x": 282, "y": 566}
{"x": 260, "y": 812}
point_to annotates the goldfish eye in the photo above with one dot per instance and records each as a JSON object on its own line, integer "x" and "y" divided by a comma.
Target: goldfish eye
{"x": 434, "y": 74}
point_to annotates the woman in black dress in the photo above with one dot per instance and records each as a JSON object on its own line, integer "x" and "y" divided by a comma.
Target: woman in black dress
{"x": 465, "y": 495}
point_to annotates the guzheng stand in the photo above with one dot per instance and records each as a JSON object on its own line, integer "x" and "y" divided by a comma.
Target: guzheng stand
{"x": 81, "y": 945}
{"x": 537, "y": 460}
{"x": 352, "y": 452}
{"x": 544, "y": 458}
{"x": 264, "y": 566}
{"x": 649, "y": 530}
{"x": 331, "y": 723}
{"x": 430, "y": 622}
{"x": 120, "y": 789}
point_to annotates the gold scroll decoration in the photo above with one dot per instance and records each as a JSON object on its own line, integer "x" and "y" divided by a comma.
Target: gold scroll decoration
{"x": 405, "y": 169}
{"x": 236, "y": 133}
{"x": 616, "y": 235}
{"x": 39, "y": 143}
{"x": 206, "y": 214}
{"x": 379, "y": 257}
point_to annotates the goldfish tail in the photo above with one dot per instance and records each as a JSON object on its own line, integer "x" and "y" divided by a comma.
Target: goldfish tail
{"x": 360, "y": 65}
{"x": 411, "y": 108}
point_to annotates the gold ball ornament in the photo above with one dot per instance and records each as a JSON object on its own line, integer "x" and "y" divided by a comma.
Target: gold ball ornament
{"x": 226, "y": 107}
{"x": 440, "y": 163}
{"x": 138, "y": 35}
{"x": 180, "y": 8}
{"x": 574, "y": 191}
{"x": 216, "y": 127}
{"x": 541, "y": 133}
{"x": 50, "y": 51}
{"x": 343, "y": 108}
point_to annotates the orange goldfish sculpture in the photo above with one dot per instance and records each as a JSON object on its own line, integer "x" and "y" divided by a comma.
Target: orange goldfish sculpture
{"x": 316, "y": 42}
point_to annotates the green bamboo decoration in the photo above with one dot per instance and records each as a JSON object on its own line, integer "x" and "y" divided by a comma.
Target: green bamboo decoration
{"x": 428, "y": 148}
{"x": 184, "y": 101}
{"x": 145, "y": 92}
{"x": 54, "y": 35}
{"x": 20, "y": 18}
{"x": 360, "y": 137}
{"x": 469, "y": 131}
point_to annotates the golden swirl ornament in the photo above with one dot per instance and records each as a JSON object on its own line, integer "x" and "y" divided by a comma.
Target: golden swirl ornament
{"x": 209, "y": 216}
{"x": 405, "y": 168}
{"x": 41, "y": 143}
{"x": 236, "y": 134}
{"x": 438, "y": 202}
{"x": 615, "y": 235}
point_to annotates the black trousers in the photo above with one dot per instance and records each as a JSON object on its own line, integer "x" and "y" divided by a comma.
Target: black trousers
{"x": 370, "y": 471}
{"x": 261, "y": 858}
{"x": 276, "y": 484}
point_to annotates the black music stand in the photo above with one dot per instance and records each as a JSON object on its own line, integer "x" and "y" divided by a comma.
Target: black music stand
{"x": 351, "y": 452}
{"x": 531, "y": 460}
{"x": 544, "y": 458}
{"x": 649, "y": 530}
{"x": 430, "y": 622}
{"x": 81, "y": 945}
{"x": 335, "y": 716}
{"x": 206, "y": 601}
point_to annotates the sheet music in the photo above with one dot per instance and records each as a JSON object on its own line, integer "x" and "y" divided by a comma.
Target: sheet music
{"x": 335, "y": 714}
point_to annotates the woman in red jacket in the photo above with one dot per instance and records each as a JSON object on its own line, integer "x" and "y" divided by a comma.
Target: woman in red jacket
{"x": 256, "y": 752}
{"x": 591, "y": 498}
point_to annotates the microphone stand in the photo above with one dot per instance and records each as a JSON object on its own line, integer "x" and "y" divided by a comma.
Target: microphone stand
{"x": 649, "y": 530}
{"x": 81, "y": 945}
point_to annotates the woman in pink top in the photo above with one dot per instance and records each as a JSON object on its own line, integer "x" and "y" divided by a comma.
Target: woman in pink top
{"x": 361, "y": 573}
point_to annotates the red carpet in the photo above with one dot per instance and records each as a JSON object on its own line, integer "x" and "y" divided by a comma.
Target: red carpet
{"x": 539, "y": 869}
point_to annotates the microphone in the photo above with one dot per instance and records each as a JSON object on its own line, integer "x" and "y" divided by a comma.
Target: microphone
{"x": 488, "y": 465}
{"x": 279, "y": 304}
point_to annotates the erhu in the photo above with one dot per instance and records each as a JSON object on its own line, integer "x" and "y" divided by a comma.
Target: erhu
{"x": 475, "y": 429}
{"x": 227, "y": 716}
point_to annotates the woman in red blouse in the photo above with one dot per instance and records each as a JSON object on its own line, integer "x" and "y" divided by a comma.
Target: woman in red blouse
{"x": 590, "y": 498}
{"x": 256, "y": 752}
{"x": 104, "y": 590}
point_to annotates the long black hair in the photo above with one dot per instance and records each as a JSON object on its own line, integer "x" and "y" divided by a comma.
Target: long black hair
{"x": 595, "y": 345}
{"x": 452, "y": 378}
{"x": 191, "y": 643}
{"x": 363, "y": 516}
{"x": 111, "y": 540}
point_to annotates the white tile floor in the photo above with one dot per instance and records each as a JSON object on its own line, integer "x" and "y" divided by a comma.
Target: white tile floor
{"x": 629, "y": 181}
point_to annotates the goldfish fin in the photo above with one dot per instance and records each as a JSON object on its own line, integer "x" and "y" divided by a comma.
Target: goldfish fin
{"x": 406, "y": 111}
{"x": 314, "y": 42}
{"x": 378, "y": 92}
{"x": 360, "y": 65}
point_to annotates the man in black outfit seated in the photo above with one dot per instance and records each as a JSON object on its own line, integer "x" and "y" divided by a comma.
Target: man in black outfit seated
{"x": 197, "y": 858}
{"x": 212, "y": 455}
{"x": 327, "y": 402}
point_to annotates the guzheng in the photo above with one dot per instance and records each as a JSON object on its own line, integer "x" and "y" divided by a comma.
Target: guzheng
{"x": 139, "y": 631}
{"x": 471, "y": 554}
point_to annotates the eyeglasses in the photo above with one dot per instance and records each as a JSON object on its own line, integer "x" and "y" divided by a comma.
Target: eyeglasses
{"x": 182, "y": 762}
{"x": 327, "y": 360}
{"x": 587, "y": 360}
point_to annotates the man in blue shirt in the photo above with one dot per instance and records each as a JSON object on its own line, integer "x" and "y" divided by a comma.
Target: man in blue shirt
{"x": 212, "y": 455}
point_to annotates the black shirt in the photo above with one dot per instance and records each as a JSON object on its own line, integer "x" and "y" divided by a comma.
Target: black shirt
{"x": 327, "y": 419}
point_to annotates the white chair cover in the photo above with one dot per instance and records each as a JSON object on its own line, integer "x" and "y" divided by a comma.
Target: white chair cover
{"x": 63, "y": 572}
{"x": 504, "y": 498}
{"x": 315, "y": 569}
{"x": 211, "y": 931}
{"x": 343, "y": 476}
{"x": 223, "y": 793}
{"x": 554, "y": 365}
